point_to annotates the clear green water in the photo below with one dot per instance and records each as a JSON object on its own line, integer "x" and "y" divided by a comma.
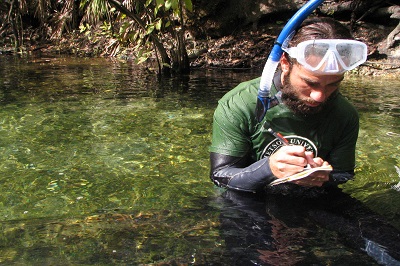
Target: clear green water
{"x": 101, "y": 163}
{"x": 378, "y": 147}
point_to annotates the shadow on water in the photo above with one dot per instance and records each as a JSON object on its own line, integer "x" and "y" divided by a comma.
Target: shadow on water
{"x": 333, "y": 229}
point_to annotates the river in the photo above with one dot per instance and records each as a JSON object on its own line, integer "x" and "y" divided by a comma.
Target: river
{"x": 102, "y": 163}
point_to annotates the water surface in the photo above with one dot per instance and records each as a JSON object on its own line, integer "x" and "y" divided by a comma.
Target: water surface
{"x": 102, "y": 163}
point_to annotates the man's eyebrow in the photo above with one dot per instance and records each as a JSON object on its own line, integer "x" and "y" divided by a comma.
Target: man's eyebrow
{"x": 316, "y": 83}
{"x": 311, "y": 82}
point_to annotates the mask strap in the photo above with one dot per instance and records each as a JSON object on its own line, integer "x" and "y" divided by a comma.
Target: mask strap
{"x": 285, "y": 43}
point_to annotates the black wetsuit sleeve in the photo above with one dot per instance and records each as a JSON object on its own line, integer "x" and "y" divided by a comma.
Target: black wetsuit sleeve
{"x": 340, "y": 177}
{"x": 238, "y": 174}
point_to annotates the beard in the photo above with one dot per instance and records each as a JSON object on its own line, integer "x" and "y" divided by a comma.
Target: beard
{"x": 299, "y": 106}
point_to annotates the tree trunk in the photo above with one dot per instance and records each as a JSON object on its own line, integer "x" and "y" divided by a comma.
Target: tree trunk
{"x": 184, "y": 64}
{"x": 15, "y": 23}
{"x": 165, "y": 60}
{"x": 76, "y": 18}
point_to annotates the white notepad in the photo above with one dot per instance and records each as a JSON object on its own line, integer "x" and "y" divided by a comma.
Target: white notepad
{"x": 306, "y": 172}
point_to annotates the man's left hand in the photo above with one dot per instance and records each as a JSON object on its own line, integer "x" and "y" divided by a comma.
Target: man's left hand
{"x": 316, "y": 179}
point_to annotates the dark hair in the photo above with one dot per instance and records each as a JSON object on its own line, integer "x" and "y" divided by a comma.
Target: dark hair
{"x": 320, "y": 28}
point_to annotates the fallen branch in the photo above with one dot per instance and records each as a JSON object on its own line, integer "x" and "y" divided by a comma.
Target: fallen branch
{"x": 391, "y": 39}
{"x": 376, "y": 66}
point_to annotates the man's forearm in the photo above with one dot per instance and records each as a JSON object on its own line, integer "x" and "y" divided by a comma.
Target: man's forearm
{"x": 236, "y": 173}
{"x": 231, "y": 175}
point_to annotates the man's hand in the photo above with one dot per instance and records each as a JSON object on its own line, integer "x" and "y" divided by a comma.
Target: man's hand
{"x": 289, "y": 160}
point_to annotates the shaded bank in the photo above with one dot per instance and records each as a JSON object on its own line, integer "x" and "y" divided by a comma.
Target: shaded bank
{"x": 232, "y": 34}
{"x": 243, "y": 49}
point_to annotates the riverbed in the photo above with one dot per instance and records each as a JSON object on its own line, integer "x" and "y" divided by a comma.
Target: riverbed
{"x": 103, "y": 163}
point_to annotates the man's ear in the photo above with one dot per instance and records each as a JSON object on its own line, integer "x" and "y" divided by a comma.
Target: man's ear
{"x": 285, "y": 64}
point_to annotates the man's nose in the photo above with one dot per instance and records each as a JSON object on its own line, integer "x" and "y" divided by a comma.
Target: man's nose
{"x": 318, "y": 95}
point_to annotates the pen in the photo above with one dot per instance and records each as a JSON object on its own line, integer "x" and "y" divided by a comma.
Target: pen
{"x": 285, "y": 142}
{"x": 279, "y": 136}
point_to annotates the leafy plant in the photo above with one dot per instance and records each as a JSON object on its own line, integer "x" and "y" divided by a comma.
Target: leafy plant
{"x": 160, "y": 23}
{"x": 155, "y": 28}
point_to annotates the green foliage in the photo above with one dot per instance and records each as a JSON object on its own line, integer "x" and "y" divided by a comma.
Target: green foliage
{"x": 189, "y": 5}
{"x": 139, "y": 23}
{"x": 156, "y": 20}
{"x": 330, "y": 12}
{"x": 126, "y": 23}
{"x": 107, "y": 29}
{"x": 85, "y": 27}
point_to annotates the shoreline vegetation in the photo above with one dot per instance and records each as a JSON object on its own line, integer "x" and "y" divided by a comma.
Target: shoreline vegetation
{"x": 210, "y": 39}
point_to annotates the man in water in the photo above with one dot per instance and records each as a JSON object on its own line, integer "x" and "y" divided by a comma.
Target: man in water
{"x": 319, "y": 125}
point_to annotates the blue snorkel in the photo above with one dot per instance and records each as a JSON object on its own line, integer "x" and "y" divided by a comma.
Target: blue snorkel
{"x": 264, "y": 100}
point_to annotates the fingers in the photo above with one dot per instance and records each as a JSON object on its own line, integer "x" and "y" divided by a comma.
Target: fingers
{"x": 316, "y": 179}
{"x": 310, "y": 158}
{"x": 314, "y": 162}
{"x": 325, "y": 163}
{"x": 294, "y": 155}
{"x": 288, "y": 160}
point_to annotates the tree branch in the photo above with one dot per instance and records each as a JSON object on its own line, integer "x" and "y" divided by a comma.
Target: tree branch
{"x": 156, "y": 41}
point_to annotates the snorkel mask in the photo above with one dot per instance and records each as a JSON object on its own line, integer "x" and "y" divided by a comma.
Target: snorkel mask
{"x": 329, "y": 56}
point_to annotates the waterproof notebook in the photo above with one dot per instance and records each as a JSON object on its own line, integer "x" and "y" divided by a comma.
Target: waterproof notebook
{"x": 306, "y": 172}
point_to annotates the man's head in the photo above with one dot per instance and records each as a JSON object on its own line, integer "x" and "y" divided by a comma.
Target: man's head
{"x": 316, "y": 62}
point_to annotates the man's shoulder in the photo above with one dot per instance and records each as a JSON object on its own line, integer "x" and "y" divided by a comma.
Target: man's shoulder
{"x": 246, "y": 91}
{"x": 343, "y": 105}
{"x": 342, "y": 112}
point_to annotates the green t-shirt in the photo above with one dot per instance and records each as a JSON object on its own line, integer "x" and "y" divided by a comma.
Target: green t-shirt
{"x": 331, "y": 134}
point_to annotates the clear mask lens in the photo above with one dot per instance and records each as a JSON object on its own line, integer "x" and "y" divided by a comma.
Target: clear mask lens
{"x": 329, "y": 56}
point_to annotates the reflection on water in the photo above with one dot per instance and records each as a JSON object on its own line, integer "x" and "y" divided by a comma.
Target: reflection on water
{"x": 285, "y": 230}
{"x": 102, "y": 163}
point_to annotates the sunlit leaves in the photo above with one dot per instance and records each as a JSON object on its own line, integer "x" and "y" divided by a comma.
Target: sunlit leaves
{"x": 168, "y": 5}
{"x": 160, "y": 21}
{"x": 159, "y": 4}
{"x": 123, "y": 31}
{"x": 174, "y": 4}
{"x": 85, "y": 27}
{"x": 158, "y": 24}
{"x": 150, "y": 28}
{"x": 143, "y": 53}
{"x": 97, "y": 9}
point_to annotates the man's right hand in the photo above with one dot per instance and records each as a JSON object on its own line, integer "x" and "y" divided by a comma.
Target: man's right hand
{"x": 289, "y": 160}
